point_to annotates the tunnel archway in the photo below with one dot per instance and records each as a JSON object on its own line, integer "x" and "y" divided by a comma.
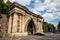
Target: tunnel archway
{"x": 31, "y": 28}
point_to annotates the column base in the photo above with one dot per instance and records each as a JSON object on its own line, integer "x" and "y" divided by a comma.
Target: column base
{"x": 19, "y": 34}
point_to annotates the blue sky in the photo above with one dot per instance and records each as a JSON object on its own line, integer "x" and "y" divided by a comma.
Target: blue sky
{"x": 48, "y": 9}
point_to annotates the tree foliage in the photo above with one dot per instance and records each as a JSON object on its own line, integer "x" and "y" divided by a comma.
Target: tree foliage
{"x": 47, "y": 26}
{"x": 4, "y": 7}
{"x": 1, "y": 7}
{"x": 7, "y": 5}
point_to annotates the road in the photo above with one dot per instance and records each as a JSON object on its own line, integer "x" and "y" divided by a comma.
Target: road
{"x": 48, "y": 36}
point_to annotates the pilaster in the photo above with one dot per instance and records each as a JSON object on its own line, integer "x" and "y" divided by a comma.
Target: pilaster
{"x": 15, "y": 18}
{"x": 9, "y": 26}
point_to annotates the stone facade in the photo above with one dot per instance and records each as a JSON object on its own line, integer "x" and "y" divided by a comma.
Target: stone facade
{"x": 22, "y": 22}
{"x": 3, "y": 24}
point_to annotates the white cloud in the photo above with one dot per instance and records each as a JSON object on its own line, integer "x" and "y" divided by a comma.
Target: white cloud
{"x": 36, "y": 12}
{"x": 50, "y": 5}
{"x": 51, "y": 16}
{"x": 23, "y": 2}
{"x": 57, "y": 15}
{"x": 48, "y": 16}
{"x": 38, "y": 6}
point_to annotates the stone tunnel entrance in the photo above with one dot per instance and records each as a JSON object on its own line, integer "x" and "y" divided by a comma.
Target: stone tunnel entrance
{"x": 31, "y": 28}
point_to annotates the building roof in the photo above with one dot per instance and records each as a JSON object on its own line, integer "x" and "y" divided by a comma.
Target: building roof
{"x": 15, "y": 4}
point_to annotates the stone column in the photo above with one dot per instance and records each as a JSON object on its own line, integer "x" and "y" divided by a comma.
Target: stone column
{"x": 15, "y": 18}
{"x": 37, "y": 26}
{"x": 23, "y": 24}
{"x": 9, "y": 26}
{"x": 41, "y": 27}
{"x": 20, "y": 23}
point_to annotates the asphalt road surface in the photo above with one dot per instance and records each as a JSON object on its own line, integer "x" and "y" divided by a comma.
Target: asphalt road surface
{"x": 48, "y": 36}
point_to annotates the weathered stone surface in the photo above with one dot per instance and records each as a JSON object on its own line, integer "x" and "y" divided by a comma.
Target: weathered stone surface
{"x": 24, "y": 19}
{"x": 3, "y": 24}
{"x": 22, "y": 22}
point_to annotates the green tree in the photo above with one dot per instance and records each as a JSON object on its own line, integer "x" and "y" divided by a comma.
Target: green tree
{"x": 7, "y": 5}
{"x": 47, "y": 26}
{"x": 1, "y": 7}
{"x": 4, "y": 7}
